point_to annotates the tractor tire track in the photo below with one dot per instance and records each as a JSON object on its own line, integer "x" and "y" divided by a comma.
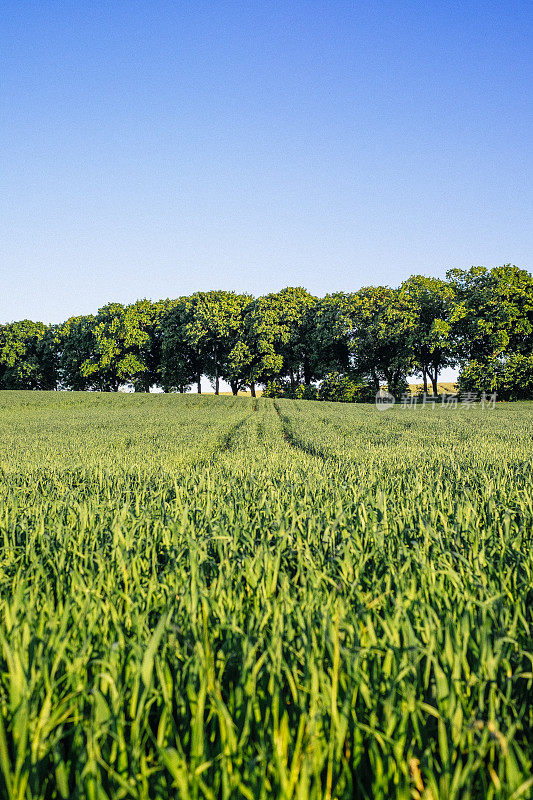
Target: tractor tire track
{"x": 293, "y": 441}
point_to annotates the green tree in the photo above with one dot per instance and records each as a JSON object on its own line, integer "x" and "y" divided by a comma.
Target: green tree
{"x": 297, "y": 342}
{"x": 181, "y": 362}
{"x": 329, "y": 334}
{"x": 126, "y": 346}
{"x": 74, "y": 341}
{"x": 511, "y": 377}
{"x": 27, "y": 358}
{"x": 432, "y": 301}
{"x": 147, "y": 316}
{"x": 493, "y": 313}
{"x": 383, "y": 322}
{"x": 215, "y": 330}
{"x": 110, "y": 363}
{"x": 276, "y": 337}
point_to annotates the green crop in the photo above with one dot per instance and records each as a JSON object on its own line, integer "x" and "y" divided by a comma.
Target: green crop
{"x": 210, "y": 597}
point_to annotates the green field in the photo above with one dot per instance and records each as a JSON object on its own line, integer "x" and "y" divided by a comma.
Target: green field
{"x": 208, "y": 597}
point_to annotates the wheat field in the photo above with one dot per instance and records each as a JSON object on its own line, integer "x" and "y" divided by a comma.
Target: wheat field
{"x": 208, "y": 597}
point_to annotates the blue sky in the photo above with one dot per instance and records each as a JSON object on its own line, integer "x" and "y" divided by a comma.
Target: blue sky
{"x": 151, "y": 149}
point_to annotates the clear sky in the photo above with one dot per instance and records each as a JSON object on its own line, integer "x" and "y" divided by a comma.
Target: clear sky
{"x": 151, "y": 149}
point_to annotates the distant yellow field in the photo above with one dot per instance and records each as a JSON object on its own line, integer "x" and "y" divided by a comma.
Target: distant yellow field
{"x": 448, "y": 388}
{"x": 258, "y": 393}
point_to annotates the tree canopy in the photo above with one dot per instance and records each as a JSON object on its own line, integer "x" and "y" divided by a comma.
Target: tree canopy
{"x": 479, "y": 319}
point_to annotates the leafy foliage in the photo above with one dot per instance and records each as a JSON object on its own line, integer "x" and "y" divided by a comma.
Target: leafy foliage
{"x": 341, "y": 388}
{"x": 432, "y": 301}
{"x": 275, "y": 336}
{"x": 26, "y": 357}
{"x": 510, "y": 378}
{"x": 215, "y": 331}
{"x": 494, "y": 311}
{"x": 285, "y": 339}
{"x": 181, "y": 359}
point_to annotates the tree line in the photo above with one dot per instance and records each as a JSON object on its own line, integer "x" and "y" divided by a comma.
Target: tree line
{"x": 480, "y": 320}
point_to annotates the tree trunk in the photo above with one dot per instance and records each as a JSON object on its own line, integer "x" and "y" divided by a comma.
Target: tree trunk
{"x": 199, "y": 383}
{"x": 217, "y": 385}
{"x": 252, "y": 389}
{"x": 234, "y": 387}
{"x": 393, "y": 380}
{"x": 434, "y": 378}
{"x": 307, "y": 375}
{"x": 425, "y": 379}
{"x": 293, "y": 382}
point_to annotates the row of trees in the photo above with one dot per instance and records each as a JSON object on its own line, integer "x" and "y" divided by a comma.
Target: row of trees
{"x": 479, "y": 319}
